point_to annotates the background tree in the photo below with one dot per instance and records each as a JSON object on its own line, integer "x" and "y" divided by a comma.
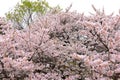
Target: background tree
{"x": 23, "y": 13}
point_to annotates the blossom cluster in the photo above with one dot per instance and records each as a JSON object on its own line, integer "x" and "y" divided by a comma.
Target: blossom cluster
{"x": 62, "y": 46}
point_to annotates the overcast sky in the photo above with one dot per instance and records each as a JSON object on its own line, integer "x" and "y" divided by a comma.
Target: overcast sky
{"x": 78, "y": 5}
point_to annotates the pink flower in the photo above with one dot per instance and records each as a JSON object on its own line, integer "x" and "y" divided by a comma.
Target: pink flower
{"x": 78, "y": 57}
{"x": 104, "y": 64}
{"x": 118, "y": 58}
{"x": 117, "y": 70}
{"x": 96, "y": 62}
{"x": 110, "y": 73}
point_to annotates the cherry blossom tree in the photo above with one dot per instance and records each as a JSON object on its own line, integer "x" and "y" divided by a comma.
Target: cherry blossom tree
{"x": 62, "y": 46}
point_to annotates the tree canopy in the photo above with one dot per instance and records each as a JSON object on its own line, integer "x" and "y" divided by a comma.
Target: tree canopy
{"x": 22, "y": 14}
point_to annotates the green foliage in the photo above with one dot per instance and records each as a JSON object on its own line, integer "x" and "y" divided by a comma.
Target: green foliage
{"x": 23, "y": 12}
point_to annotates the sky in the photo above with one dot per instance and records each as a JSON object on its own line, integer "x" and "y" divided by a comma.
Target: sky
{"x": 81, "y": 6}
